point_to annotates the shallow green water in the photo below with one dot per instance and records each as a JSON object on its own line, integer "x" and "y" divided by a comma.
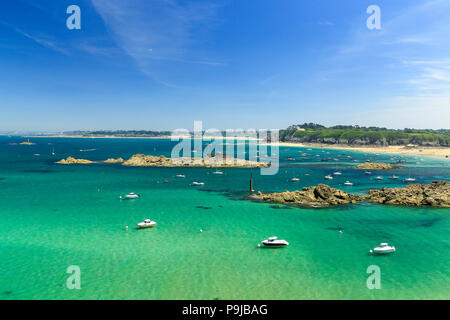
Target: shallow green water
{"x": 54, "y": 216}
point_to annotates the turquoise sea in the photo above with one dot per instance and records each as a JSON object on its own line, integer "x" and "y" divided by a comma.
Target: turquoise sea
{"x": 54, "y": 216}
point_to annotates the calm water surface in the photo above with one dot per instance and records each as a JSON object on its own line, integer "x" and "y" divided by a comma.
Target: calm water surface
{"x": 53, "y": 216}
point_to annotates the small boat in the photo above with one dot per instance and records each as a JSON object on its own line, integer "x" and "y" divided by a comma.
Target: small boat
{"x": 274, "y": 242}
{"x": 295, "y": 179}
{"x": 348, "y": 183}
{"x": 379, "y": 178}
{"x": 383, "y": 248}
{"x": 328, "y": 177}
{"x": 217, "y": 172}
{"x": 195, "y": 183}
{"x": 394, "y": 177}
{"x": 367, "y": 172}
{"x": 180, "y": 176}
{"x": 130, "y": 196}
{"x": 409, "y": 179}
{"x": 290, "y": 159}
{"x": 147, "y": 223}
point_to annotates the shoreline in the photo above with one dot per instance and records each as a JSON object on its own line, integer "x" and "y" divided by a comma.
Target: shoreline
{"x": 159, "y": 137}
{"x": 432, "y": 152}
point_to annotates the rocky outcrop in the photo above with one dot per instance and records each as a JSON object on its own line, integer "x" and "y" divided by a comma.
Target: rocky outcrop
{"x": 112, "y": 160}
{"x": 377, "y": 166}
{"x": 317, "y": 196}
{"x": 141, "y": 160}
{"x": 435, "y": 194}
{"x": 71, "y": 160}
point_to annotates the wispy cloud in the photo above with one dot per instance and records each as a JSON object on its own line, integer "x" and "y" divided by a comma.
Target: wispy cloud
{"x": 415, "y": 45}
{"x": 53, "y": 45}
{"x": 157, "y": 32}
{"x": 326, "y": 23}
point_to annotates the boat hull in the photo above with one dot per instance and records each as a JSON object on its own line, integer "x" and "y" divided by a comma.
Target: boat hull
{"x": 277, "y": 243}
{"x": 146, "y": 225}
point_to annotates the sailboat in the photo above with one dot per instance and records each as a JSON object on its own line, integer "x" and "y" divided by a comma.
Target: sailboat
{"x": 53, "y": 152}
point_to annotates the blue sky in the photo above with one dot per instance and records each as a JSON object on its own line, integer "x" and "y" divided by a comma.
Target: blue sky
{"x": 161, "y": 64}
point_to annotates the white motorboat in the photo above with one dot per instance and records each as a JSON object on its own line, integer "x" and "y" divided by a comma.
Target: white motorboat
{"x": 195, "y": 183}
{"x": 348, "y": 183}
{"x": 295, "y": 179}
{"x": 130, "y": 196}
{"x": 337, "y": 173}
{"x": 367, "y": 172}
{"x": 328, "y": 177}
{"x": 147, "y": 223}
{"x": 410, "y": 179}
{"x": 180, "y": 176}
{"x": 274, "y": 242}
{"x": 394, "y": 177}
{"x": 217, "y": 172}
{"x": 379, "y": 178}
{"x": 383, "y": 248}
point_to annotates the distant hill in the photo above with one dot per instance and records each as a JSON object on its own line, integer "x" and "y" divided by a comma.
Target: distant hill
{"x": 118, "y": 133}
{"x": 356, "y": 135}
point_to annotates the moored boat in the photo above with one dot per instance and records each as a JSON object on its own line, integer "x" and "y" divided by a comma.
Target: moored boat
{"x": 383, "y": 248}
{"x": 130, "y": 196}
{"x": 147, "y": 223}
{"x": 274, "y": 242}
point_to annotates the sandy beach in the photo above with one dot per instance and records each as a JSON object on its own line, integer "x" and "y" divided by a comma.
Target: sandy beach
{"x": 435, "y": 152}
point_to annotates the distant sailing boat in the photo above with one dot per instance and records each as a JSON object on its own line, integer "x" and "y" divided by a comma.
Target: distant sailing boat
{"x": 251, "y": 181}
{"x": 53, "y": 152}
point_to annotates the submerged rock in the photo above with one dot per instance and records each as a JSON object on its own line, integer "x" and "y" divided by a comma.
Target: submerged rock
{"x": 377, "y": 166}
{"x": 71, "y": 160}
{"x": 317, "y": 196}
{"x": 435, "y": 194}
